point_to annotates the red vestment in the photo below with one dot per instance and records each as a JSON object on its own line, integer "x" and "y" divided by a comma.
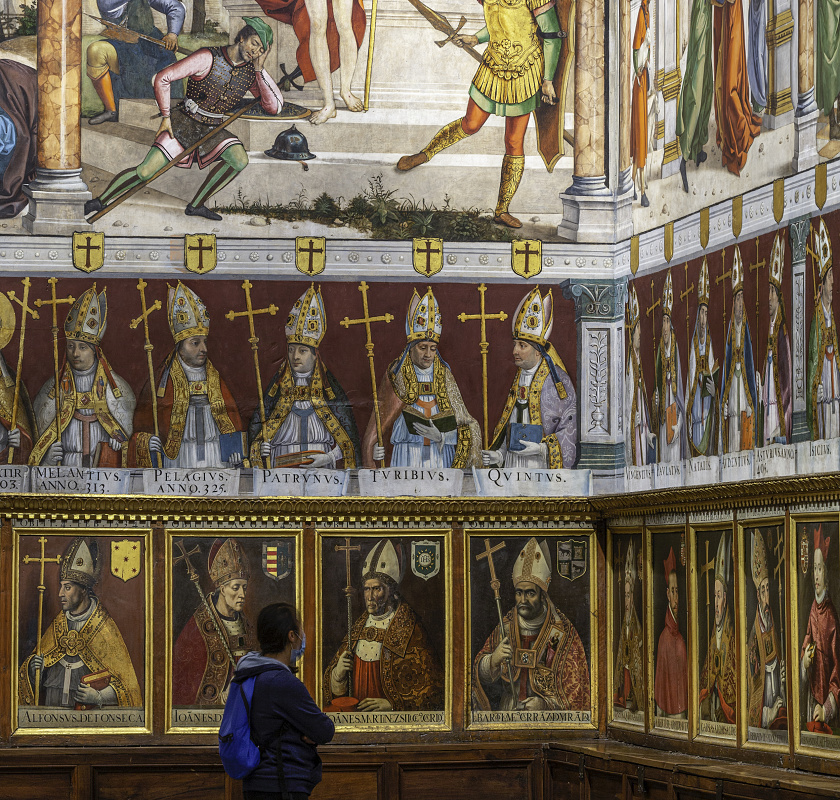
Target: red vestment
{"x": 294, "y": 13}
{"x": 824, "y": 678}
{"x": 737, "y": 126}
{"x": 671, "y": 678}
{"x": 367, "y": 679}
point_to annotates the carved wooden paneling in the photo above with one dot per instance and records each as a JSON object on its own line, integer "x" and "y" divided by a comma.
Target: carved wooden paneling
{"x": 345, "y": 783}
{"x": 605, "y": 785}
{"x": 152, "y": 784}
{"x": 459, "y": 781}
{"x": 55, "y": 785}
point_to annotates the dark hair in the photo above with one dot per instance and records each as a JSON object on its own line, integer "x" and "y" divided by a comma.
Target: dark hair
{"x": 274, "y": 624}
{"x": 246, "y": 33}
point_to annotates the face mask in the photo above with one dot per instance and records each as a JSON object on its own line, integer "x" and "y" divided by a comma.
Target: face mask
{"x": 297, "y": 654}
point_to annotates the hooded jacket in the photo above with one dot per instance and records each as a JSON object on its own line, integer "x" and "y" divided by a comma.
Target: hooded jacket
{"x": 279, "y": 697}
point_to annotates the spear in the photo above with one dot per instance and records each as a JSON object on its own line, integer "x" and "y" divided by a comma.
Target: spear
{"x": 123, "y": 34}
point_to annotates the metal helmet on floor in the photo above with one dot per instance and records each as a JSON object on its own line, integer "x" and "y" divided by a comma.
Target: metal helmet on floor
{"x": 290, "y": 145}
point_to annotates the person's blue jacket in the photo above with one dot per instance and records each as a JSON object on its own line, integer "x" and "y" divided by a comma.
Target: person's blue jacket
{"x": 279, "y": 697}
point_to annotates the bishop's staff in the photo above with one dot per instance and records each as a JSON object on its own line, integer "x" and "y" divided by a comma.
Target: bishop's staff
{"x": 366, "y": 320}
{"x": 25, "y": 309}
{"x": 149, "y": 347}
{"x": 42, "y": 560}
{"x": 495, "y": 585}
{"x": 254, "y": 341}
{"x": 193, "y": 576}
{"x": 348, "y": 591}
{"x": 55, "y": 302}
{"x": 484, "y": 346}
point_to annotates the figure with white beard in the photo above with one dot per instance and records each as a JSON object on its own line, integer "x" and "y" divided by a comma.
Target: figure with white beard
{"x": 702, "y": 408}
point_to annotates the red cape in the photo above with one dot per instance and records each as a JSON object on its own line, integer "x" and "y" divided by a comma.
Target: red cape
{"x": 671, "y": 682}
{"x": 293, "y": 12}
{"x": 189, "y": 659}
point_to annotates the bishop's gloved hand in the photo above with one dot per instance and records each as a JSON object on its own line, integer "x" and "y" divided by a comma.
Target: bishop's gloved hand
{"x": 492, "y": 458}
{"x": 533, "y": 449}
{"x": 235, "y": 459}
{"x": 14, "y": 437}
{"x": 155, "y": 444}
{"x": 320, "y": 461}
{"x": 429, "y": 432}
{"x": 503, "y": 652}
{"x": 378, "y": 452}
{"x": 820, "y": 394}
{"x": 342, "y": 667}
{"x": 54, "y": 455}
{"x": 265, "y": 449}
{"x": 115, "y": 445}
{"x": 375, "y": 704}
{"x": 678, "y": 426}
{"x": 87, "y": 696}
{"x": 36, "y": 663}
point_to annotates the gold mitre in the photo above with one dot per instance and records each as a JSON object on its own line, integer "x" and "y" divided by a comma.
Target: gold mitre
{"x": 823, "y": 249}
{"x": 723, "y": 559}
{"x": 88, "y": 318}
{"x": 634, "y": 308}
{"x": 737, "y": 272}
{"x": 383, "y": 563}
{"x": 777, "y": 262}
{"x": 534, "y": 317}
{"x": 227, "y": 562}
{"x": 423, "y": 320}
{"x": 668, "y": 295}
{"x": 187, "y": 314}
{"x": 533, "y": 565}
{"x": 759, "y": 559}
{"x": 307, "y": 322}
{"x": 80, "y": 563}
{"x": 704, "y": 287}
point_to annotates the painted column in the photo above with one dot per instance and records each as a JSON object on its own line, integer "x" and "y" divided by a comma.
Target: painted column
{"x": 780, "y": 29}
{"x": 58, "y": 193}
{"x": 668, "y": 81}
{"x": 805, "y": 122}
{"x": 625, "y": 84}
{"x": 799, "y": 229}
{"x": 599, "y": 319}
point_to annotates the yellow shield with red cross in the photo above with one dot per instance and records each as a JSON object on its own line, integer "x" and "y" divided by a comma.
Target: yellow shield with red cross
{"x": 427, "y": 256}
{"x": 310, "y": 254}
{"x": 526, "y": 257}
{"x": 126, "y": 559}
{"x": 88, "y": 251}
{"x": 200, "y": 252}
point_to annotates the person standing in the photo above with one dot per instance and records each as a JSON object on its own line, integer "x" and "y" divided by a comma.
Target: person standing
{"x": 515, "y": 76}
{"x": 669, "y": 400}
{"x": 670, "y": 683}
{"x": 639, "y": 439}
{"x": 828, "y": 62}
{"x": 639, "y": 107}
{"x": 283, "y": 711}
{"x": 694, "y": 107}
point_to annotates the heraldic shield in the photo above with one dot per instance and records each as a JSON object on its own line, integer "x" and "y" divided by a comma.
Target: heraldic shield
{"x": 200, "y": 252}
{"x": 572, "y": 558}
{"x": 125, "y": 559}
{"x": 427, "y": 256}
{"x": 425, "y": 559}
{"x": 277, "y": 559}
{"x": 88, "y": 251}
{"x": 526, "y": 257}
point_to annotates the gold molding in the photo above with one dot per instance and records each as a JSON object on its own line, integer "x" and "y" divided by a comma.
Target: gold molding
{"x": 672, "y": 152}
{"x": 779, "y": 30}
{"x": 779, "y": 102}
{"x": 670, "y": 84}
{"x": 660, "y": 129}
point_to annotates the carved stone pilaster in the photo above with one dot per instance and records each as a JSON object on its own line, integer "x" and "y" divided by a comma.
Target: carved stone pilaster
{"x": 599, "y": 318}
{"x": 798, "y": 240}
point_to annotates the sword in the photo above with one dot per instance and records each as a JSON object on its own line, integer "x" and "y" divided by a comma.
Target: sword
{"x": 123, "y": 34}
{"x": 440, "y": 24}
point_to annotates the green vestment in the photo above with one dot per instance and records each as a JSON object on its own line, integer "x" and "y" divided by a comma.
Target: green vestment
{"x": 697, "y": 93}
{"x": 828, "y": 53}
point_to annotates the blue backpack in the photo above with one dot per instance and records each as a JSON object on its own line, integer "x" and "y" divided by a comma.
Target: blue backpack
{"x": 240, "y": 754}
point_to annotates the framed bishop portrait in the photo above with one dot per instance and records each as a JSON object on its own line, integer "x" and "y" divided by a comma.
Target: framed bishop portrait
{"x": 384, "y": 629}
{"x": 217, "y": 582}
{"x": 530, "y": 644}
{"x": 81, "y": 642}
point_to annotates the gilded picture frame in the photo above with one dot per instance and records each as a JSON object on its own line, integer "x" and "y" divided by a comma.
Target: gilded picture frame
{"x": 802, "y": 537}
{"x": 714, "y": 704}
{"x": 627, "y": 705}
{"x": 664, "y": 545}
{"x": 485, "y": 711}
{"x": 96, "y": 643}
{"x": 202, "y": 546}
{"x": 411, "y": 670}
{"x": 765, "y": 665}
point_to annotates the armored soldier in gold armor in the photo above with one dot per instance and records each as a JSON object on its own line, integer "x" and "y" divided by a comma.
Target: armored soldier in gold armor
{"x": 515, "y": 75}
{"x": 217, "y": 80}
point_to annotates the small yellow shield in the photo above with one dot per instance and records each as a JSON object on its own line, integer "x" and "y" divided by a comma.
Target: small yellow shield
{"x": 634, "y": 254}
{"x": 526, "y": 257}
{"x": 427, "y": 256}
{"x": 737, "y": 215}
{"x": 820, "y": 184}
{"x": 310, "y": 254}
{"x": 704, "y": 227}
{"x": 668, "y": 243}
{"x": 125, "y": 559}
{"x": 88, "y": 251}
{"x": 200, "y": 252}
